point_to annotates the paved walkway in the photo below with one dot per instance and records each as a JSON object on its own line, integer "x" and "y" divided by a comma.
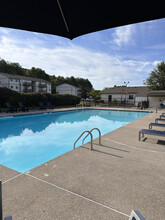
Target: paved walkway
{"x": 107, "y": 183}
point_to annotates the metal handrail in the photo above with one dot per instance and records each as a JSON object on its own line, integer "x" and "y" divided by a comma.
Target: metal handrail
{"x": 81, "y": 136}
{"x": 91, "y": 132}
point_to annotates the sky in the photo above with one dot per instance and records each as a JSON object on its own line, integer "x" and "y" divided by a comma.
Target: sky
{"x": 107, "y": 58}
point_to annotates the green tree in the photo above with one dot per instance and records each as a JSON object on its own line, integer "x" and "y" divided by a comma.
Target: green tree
{"x": 11, "y": 68}
{"x": 95, "y": 94}
{"x": 38, "y": 73}
{"x": 84, "y": 85}
{"x": 115, "y": 86}
{"x": 15, "y": 68}
{"x": 156, "y": 80}
{"x": 71, "y": 80}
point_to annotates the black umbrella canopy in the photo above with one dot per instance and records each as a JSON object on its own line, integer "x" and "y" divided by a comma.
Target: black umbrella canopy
{"x": 73, "y": 18}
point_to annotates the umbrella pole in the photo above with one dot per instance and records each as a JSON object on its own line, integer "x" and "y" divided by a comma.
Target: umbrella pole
{"x": 59, "y": 5}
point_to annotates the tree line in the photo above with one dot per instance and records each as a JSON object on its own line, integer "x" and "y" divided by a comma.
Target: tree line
{"x": 16, "y": 69}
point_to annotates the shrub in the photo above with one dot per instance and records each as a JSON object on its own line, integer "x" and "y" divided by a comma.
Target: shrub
{"x": 7, "y": 95}
{"x": 145, "y": 104}
{"x": 114, "y": 102}
{"x": 33, "y": 99}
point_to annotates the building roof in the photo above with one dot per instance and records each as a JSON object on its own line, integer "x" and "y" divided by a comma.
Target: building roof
{"x": 140, "y": 91}
{"x": 156, "y": 93}
{"x": 67, "y": 84}
{"x": 13, "y": 76}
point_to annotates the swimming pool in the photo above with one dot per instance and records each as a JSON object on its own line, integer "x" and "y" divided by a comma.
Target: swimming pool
{"x": 29, "y": 141}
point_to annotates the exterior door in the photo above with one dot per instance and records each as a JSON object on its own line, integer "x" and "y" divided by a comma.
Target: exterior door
{"x": 109, "y": 98}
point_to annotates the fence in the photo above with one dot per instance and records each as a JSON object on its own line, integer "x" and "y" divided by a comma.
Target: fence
{"x": 127, "y": 104}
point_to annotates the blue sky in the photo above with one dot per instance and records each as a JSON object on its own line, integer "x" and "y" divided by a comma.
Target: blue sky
{"x": 106, "y": 58}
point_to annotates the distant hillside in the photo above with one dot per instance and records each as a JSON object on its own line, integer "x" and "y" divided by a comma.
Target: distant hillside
{"x": 15, "y": 68}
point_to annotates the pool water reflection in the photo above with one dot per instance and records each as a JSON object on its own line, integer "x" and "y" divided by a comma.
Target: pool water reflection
{"x": 29, "y": 141}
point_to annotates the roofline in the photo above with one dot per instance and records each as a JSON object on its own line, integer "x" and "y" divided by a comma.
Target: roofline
{"x": 121, "y": 87}
{"x": 68, "y": 84}
{"x": 24, "y": 77}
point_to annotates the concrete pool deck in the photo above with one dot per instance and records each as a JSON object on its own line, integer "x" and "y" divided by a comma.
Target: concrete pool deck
{"x": 107, "y": 183}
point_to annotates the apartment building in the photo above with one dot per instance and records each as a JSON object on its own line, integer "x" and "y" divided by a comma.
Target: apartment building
{"x": 68, "y": 89}
{"x": 24, "y": 84}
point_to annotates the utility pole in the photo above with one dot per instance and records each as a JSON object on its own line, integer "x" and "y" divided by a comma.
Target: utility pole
{"x": 126, "y": 83}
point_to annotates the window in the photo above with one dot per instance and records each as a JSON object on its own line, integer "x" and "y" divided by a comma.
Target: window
{"x": 130, "y": 96}
{"x": 16, "y": 87}
{"x": 11, "y": 87}
{"x": 11, "y": 80}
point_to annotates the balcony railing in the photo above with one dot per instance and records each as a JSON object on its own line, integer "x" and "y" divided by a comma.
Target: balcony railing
{"x": 27, "y": 90}
{"x": 42, "y": 85}
{"x": 42, "y": 90}
{"x": 27, "y": 83}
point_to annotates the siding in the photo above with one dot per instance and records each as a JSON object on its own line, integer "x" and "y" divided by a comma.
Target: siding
{"x": 67, "y": 89}
{"x": 24, "y": 84}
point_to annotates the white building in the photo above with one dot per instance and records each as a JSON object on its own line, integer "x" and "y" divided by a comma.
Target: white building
{"x": 24, "y": 84}
{"x": 134, "y": 95}
{"x": 156, "y": 98}
{"x": 67, "y": 89}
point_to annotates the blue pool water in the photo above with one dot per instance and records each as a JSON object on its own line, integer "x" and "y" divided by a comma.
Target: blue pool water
{"x": 29, "y": 141}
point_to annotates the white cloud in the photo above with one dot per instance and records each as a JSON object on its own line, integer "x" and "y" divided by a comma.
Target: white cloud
{"x": 5, "y": 31}
{"x": 156, "y": 47}
{"x": 156, "y": 62}
{"x": 123, "y": 36}
{"x": 102, "y": 69}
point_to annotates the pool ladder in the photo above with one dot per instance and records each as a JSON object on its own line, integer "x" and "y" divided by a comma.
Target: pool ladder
{"x": 88, "y": 133}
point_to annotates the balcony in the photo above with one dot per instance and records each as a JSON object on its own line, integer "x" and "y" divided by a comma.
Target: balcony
{"x": 27, "y": 83}
{"x": 42, "y": 90}
{"x": 42, "y": 85}
{"x": 26, "y": 90}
